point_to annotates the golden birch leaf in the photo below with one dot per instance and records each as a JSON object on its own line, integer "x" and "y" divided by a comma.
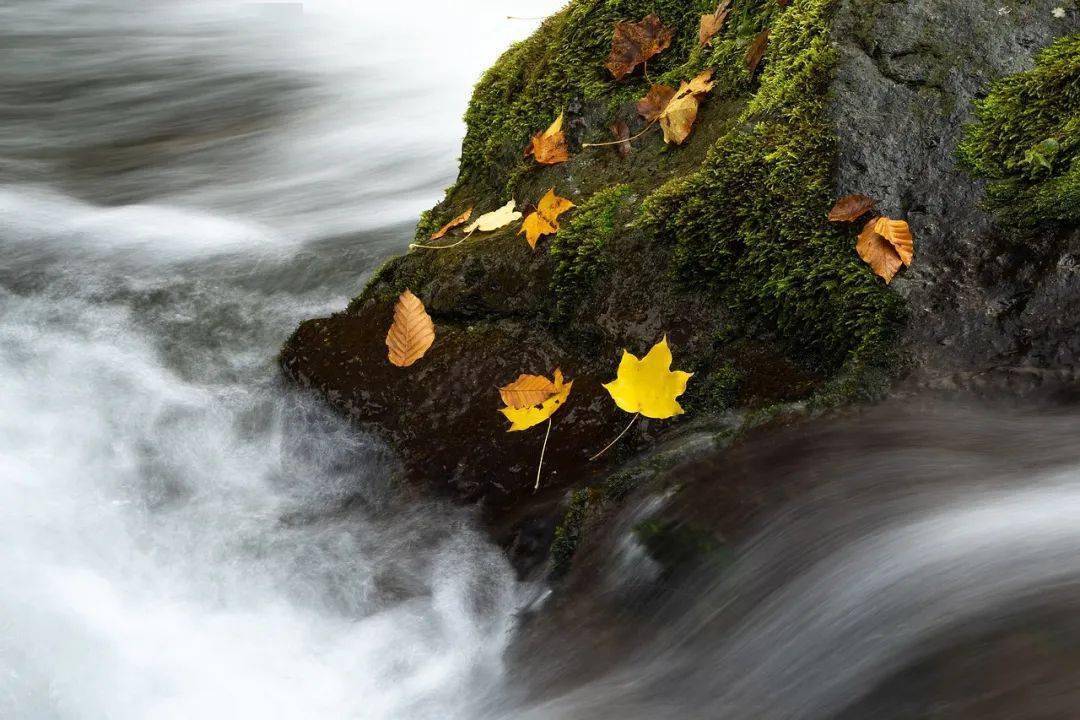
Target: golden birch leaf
{"x": 411, "y": 333}
{"x": 495, "y": 219}
{"x": 524, "y": 418}
{"x": 649, "y": 386}
{"x": 898, "y": 234}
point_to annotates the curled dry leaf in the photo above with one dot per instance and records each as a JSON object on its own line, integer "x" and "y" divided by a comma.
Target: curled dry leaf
{"x": 545, "y": 219}
{"x": 549, "y": 146}
{"x": 411, "y": 333}
{"x": 851, "y": 207}
{"x": 532, "y": 399}
{"x": 712, "y": 24}
{"x": 676, "y": 110}
{"x": 649, "y": 386}
{"x": 633, "y": 43}
{"x": 885, "y": 245}
{"x": 495, "y": 219}
{"x": 756, "y": 51}
{"x": 460, "y": 219}
{"x": 621, "y": 131}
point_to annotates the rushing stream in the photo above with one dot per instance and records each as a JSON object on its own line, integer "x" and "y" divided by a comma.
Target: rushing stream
{"x": 182, "y": 536}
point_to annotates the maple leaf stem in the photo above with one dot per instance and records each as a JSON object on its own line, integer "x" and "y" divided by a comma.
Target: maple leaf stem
{"x": 620, "y": 142}
{"x": 542, "y": 451}
{"x": 625, "y": 430}
{"x": 439, "y": 247}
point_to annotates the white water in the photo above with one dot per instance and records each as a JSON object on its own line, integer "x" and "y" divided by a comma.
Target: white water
{"x": 172, "y": 537}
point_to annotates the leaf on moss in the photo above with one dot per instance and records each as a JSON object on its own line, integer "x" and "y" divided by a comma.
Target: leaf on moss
{"x": 649, "y": 386}
{"x": 851, "y": 207}
{"x": 551, "y": 398}
{"x": 549, "y": 146}
{"x": 545, "y": 219}
{"x": 634, "y": 43}
{"x": 713, "y": 23}
{"x": 756, "y": 51}
{"x": 885, "y": 245}
{"x": 621, "y": 131}
{"x": 495, "y": 219}
{"x": 411, "y": 333}
{"x": 459, "y": 220}
{"x": 676, "y": 110}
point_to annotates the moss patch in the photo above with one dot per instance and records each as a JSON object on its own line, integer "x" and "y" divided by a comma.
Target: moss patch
{"x": 1026, "y": 142}
{"x": 569, "y": 532}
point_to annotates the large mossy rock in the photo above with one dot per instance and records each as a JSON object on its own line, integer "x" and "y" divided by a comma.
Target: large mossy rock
{"x": 722, "y": 244}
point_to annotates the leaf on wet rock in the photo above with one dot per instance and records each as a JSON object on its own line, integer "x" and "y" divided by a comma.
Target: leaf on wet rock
{"x": 634, "y": 43}
{"x": 851, "y": 207}
{"x": 532, "y": 399}
{"x": 411, "y": 333}
{"x": 649, "y": 386}
{"x": 549, "y": 146}
{"x": 489, "y": 222}
{"x": 545, "y": 220}
{"x": 676, "y": 110}
{"x": 459, "y": 220}
{"x": 713, "y": 23}
{"x": 886, "y": 245}
{"x": 621, "y": 131}
{"x": 652, "y": 105}
{"x": 756, "y": 51}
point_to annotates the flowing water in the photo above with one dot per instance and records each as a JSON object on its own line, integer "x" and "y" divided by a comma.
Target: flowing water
{"x": 182, "y": 536}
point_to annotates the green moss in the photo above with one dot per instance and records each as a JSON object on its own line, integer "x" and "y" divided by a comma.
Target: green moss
{"x": 568, "y": 534}
{"x": 1026, "y": 141}
{"x": 580, "y": 249}
{"x": 750, "y": 227}
{"x": 718, "y": 389}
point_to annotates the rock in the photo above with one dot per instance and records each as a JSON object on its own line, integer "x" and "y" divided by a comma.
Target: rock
{"x": 722, "y": 244}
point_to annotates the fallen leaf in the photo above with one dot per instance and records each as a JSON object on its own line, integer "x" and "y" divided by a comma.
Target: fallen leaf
{"x": 411, "y": 333}
{"x": 756, "y": 51}
{"x": 648, "y": 386}
{"x": 885, "y": 245}
{"x": 676, "y": 110}
{"x": 495, "y": 219}
{"x": 634, "y": 43}
{"x": 545, "y": 220}
{"x": 526, "y": 391}
{"x": 851, "y": 207}
{"x": 621, "y": 131}
{"x": 524, "y": 417}
{"x": 549, "y": 146}
{"x": 712, "y": 24}
{"x": 452, "y": 224}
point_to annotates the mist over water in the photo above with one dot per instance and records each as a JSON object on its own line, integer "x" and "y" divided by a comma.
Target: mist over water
{"x": 182, "y": 536}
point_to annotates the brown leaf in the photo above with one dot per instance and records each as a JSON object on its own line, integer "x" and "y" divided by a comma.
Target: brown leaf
{"x": 851, "y": 207}
{"x": 412, "y": 332}
{"x": 459, "y": 220}
{"x": 885, "y": 245}
{"x": 549, "y": 146}
{"x": 756, "y": 51}
{"x": 526, "y": 391}
{"x": 621, "y": 131}
{"x": 712, "y": 24}
{"x": 634, "y": 43}
{"x": 545, "y": 220}
{"x": 652, "y": 105}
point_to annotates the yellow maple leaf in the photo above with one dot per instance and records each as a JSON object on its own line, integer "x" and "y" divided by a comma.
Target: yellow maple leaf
{"x": 549, "y": 146}
{"x": 649, "y": 386}
{"x": 545, "y": 220}
{"x": 554, "y": 397}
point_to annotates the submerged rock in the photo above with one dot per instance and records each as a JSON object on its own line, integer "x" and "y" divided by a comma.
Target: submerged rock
{"x": 723, "y": 244}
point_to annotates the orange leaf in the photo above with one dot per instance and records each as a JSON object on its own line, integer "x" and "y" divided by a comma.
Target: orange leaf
{"x": 412, "y": 332}
{"x": 658, "y": 97}
{"x": 549, "y": 146}
{"x": 526, "y": 391}
{"x": 621, "y": 131}
{"x": 712, "y": 24}
{"x": 677, "y": 111}
{"x": 459, "y": 220}
{"x": 885, "y": 245}
{"x": 756, "y": 51}
{"x": 634, "y": 43}
{"x": 851, "y": 207}
{"x": 545, "y": 220}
